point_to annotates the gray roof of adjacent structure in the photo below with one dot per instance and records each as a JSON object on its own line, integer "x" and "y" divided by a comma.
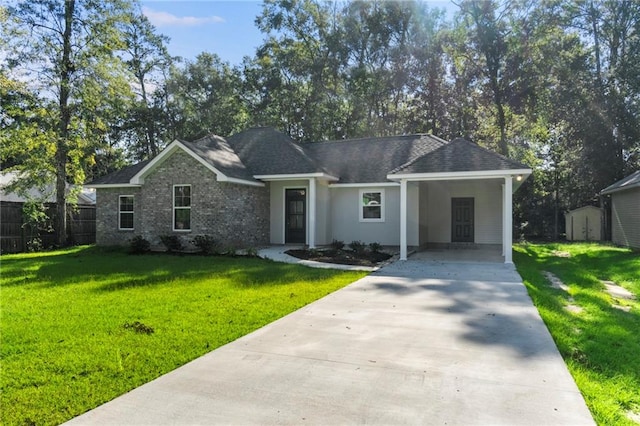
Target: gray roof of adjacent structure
{"x": 458, "y": 155}
{"x": 264, "y": 151}
{"x": 631, "y": 181}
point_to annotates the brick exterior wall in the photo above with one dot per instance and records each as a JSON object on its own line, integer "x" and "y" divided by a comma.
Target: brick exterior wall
{"x": 233, "y": 214}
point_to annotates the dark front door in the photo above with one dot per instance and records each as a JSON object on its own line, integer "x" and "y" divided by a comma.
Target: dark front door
{"x": 462, "y": 220}
{"x": 295, "y": 227}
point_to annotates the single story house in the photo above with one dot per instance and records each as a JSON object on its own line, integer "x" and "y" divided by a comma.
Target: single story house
{"x": 625, "y": 210}
{"x": 584, "y": 224}
{"x": 260, "y": 187}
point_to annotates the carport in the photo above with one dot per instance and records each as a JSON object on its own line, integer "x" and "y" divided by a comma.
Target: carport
{"x": 468, "y": 190}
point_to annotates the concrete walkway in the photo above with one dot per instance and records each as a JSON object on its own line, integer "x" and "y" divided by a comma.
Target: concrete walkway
{"x": 414, "y": 343}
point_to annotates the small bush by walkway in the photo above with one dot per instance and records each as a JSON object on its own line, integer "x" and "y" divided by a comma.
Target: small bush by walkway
{"x": 82, "y": 326}
{"x": 596, "y": 331}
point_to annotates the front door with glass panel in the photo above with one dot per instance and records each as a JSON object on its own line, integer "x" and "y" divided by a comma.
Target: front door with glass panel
{"x": 295, "y": 228}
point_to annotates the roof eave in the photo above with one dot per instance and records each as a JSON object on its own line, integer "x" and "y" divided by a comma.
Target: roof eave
{"x": 225, "y": 178}
{"x": 475, "y": 174}
{"x": 294, "y": 176}
{"x": 111, "y": 185}
{"x": 608, "y": 191}
{"x": 363, "y": 184}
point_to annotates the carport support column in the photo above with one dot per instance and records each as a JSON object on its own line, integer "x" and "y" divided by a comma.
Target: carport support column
{"x": 312, "y": 213}
{"x": 507, "y": 219}
{"x": 403, "y": 219}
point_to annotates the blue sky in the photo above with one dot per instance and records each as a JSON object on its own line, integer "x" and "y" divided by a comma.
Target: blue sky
{"x": 224, "y": 27}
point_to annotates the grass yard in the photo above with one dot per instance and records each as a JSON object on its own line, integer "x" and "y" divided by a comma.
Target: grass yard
{"x": 599, "y": 341}
{"x": 84, "y": 325}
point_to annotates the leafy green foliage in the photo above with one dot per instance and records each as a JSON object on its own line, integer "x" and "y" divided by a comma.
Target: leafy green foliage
{"x": 65, "y": 50}
{"x": 65, "y": 348}
{"x": 600, "y": 344}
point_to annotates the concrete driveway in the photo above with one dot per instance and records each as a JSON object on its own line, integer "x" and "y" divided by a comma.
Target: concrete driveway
{"x": 414, "y": 343}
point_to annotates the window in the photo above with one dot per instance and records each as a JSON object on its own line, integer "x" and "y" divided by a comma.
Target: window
{"x": 125, "y": 212}
{"x": 182, "y": 208}
{"x": 371, "y": 205}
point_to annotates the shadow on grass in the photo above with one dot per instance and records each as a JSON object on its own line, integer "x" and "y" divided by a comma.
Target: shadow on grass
{"x": 601, "y": 339}
{"x": 114, "y": 270}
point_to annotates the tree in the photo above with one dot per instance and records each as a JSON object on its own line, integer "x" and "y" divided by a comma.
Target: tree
{"x": 146, "y": 56}
{"x": 300, "y": 63}
{"x": 66, "y": 50}
{"x": 205, "y": 96}
{"x": 485, "y": 38}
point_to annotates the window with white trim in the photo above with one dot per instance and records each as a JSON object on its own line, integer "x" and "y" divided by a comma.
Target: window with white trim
{"x": 125, "y": 212}
{"x": 371, "y": 205}
{"x": 182, "y": 207}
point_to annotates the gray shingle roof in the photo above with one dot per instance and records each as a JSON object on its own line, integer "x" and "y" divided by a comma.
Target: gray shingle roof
{"x": 458, "y": 155}
{"x": 217, "y": 152}
{"x": 631, "y": 181}
{"x": 266, "y": 151}
{"x": 370, "y": 159}
{"x": 121, "y": 176}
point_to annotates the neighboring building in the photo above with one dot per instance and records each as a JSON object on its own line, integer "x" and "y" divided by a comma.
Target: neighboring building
{"x": 625, "y": 210}
{"x": 584, "y": 224}
{"x": 260, "y": 187}
{"x": 15, "y": 234}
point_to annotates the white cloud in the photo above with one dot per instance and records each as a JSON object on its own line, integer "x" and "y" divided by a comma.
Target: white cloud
{"x": 163, "y": 19}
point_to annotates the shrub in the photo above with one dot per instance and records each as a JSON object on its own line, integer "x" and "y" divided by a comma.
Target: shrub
{"x": 172, "y": 243}
{"x": 138, "y": 245}
{"x": 357, "y": 246}
{"x": 35, "y": 244}
{"x": 252, "y": 252}
{"x": 375, "y": 247}
{"x": 205, "y": 244}
{"x": 337, "y": 244}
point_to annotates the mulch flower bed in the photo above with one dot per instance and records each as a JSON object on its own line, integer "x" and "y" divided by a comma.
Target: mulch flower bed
{"x": 342, "y": 257}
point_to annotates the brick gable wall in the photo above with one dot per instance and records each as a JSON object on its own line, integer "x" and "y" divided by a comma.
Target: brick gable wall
{"x": 232, "y": 214}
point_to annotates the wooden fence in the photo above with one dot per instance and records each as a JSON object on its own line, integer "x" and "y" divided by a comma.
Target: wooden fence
{"x": 14, "y": 234}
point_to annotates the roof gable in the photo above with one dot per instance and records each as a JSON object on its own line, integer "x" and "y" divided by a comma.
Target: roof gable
{"x": 631, "y": 181}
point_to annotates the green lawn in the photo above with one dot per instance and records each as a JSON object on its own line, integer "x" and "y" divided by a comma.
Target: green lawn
{"x": 601, "y": 344}
{"x": 82, "y": 326}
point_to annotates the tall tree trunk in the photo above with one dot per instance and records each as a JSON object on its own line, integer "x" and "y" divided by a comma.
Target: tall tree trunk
{"x": 66, "y": 70}
{"x": 152, "y": 146}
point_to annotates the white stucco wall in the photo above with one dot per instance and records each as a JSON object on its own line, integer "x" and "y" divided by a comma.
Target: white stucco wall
{"x": 625, "y": 217}
{"x": 436, "y": 211}
{"x": 276, "y": 207}
{"x": 345, "y": 217}
{"x": 428, "y": 212}
{"x": 323, "y": 214}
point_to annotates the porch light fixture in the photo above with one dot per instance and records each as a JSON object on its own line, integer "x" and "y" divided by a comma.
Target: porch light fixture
{"x": 519, "y": 178}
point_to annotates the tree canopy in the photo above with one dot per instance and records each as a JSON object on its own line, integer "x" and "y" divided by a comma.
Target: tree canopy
{"x": 553, "y": 84}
